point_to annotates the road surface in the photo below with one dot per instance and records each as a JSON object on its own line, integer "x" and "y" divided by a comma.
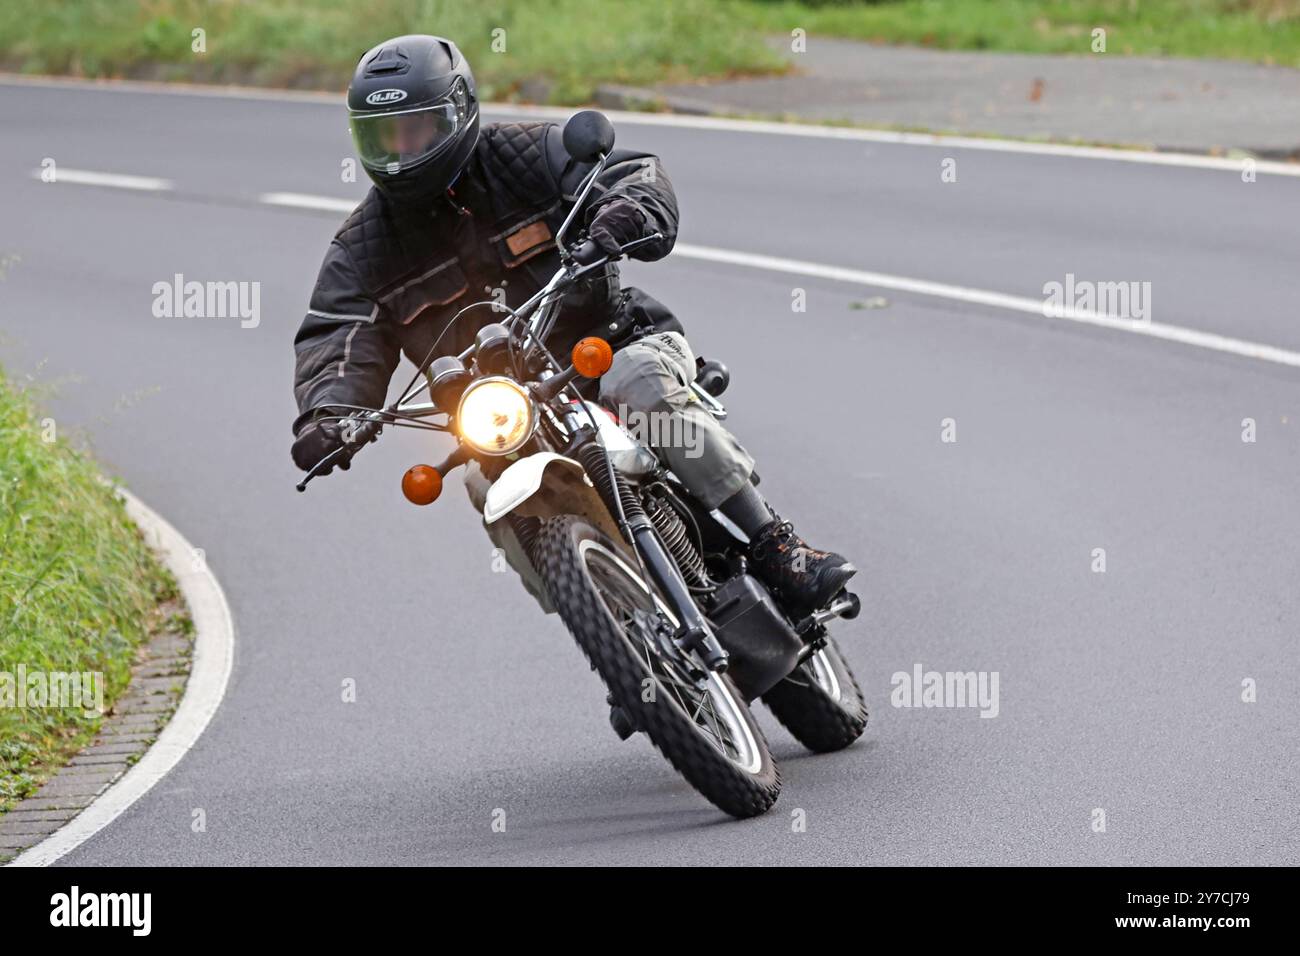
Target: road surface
{"x": 1119, "y": 691}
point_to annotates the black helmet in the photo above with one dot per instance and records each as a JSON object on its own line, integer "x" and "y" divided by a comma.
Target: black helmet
{"x": 414, "y": 115}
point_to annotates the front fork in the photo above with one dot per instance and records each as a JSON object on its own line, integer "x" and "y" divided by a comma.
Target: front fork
{"x": 693, "y": 633}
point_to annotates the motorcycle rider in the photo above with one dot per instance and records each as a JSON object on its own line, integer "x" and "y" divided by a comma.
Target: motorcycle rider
{"x": 458, "y": 214}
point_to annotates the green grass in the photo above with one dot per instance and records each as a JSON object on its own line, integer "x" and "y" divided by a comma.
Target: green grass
{"x": 560, "y": 50}
{"x": 79, "y": 589}
{"x": 1265, "y": 31}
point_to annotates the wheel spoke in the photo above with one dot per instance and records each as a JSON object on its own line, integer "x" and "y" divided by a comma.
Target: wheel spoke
{"x": 637, "y": 615}
{"x": 727, "y": 745}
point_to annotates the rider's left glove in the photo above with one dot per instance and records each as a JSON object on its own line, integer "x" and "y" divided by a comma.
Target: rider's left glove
{"x": 616, "y": 224}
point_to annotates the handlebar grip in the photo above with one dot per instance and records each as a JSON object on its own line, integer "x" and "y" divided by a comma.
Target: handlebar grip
{"x": 353, "y": 434}
{"x": 586, "y": 253}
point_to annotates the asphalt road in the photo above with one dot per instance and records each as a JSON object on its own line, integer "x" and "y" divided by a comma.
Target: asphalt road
{"x": 1119, "y": 691}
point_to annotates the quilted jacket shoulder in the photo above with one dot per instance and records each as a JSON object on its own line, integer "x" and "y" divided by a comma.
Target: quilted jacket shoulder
{"x": 387, "y": 243}
{"x": 514, "y": 160}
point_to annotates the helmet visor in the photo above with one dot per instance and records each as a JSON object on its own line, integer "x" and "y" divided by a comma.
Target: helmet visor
{"x": 391, "y": 142}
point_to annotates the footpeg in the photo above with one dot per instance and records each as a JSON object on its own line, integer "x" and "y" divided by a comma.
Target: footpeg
{"x": 846, "y": 604}
{"x": 621, "y": 722}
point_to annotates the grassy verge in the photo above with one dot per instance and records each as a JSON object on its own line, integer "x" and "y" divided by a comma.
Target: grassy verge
{"x": 79, "y": 590}
{"x": 560, "y": 50}
{"x": 1264, "y": 31}
{"x": 545, "y": 49}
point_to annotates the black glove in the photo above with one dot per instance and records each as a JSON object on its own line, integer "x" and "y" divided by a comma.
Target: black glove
{"x": 318, "y": 438}
{"x": 616, "y": 224}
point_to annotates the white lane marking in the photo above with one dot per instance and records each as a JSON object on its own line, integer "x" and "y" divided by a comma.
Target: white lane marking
{"x": 713, "y": 123}
{"x": 171, "y": 89}
{"x": 891, "y": 137}
{"x": 210, "y": 668}
{"x": 88, "y": 177}
{"x": 305, "y": 201}
{"x": 1000, "y": 300}
{"x": 881, "y": 280}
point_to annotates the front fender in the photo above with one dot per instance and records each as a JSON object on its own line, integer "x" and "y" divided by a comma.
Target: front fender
{"x": 544, "y": 485}
{"x": 522, "y": 480}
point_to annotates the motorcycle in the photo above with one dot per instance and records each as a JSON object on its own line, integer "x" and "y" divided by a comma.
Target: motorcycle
{"x": 652, "y": 585}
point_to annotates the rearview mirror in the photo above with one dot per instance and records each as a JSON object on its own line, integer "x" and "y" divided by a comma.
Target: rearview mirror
{"x": 587, "y": 135}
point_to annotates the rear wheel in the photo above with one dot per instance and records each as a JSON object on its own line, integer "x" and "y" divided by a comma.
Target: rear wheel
{"x": 820, "y": 703}
{"x": 703, "y": 726}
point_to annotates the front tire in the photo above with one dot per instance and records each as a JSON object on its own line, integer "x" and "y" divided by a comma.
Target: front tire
{"x": 708, "y": 735}
{"x": 820, "y": 703}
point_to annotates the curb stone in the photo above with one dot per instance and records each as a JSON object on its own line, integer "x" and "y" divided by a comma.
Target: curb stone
{"x": 124, "y": 734}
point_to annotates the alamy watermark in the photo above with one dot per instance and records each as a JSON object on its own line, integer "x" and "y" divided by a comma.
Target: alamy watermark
{"x": 922, "y": 688}
{"x": 179, "y": 299}
{"x": 1126, "y": 300}
{"x": 22, "y": 689}
{"x": 661, "y": 429}
{"x": 128, "y": 910}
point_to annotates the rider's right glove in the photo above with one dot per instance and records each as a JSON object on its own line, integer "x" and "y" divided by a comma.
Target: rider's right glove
{"x": 317, "y": 438}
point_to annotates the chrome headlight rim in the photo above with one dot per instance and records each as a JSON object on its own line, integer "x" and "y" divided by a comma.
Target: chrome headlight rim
{"x": 529, "y": 405}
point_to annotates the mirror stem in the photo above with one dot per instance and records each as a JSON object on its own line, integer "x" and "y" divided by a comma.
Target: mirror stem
{"x": 582, "y": 197}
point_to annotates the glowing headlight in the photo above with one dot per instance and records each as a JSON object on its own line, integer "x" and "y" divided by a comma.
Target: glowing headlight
{"x": 495, "y": 416}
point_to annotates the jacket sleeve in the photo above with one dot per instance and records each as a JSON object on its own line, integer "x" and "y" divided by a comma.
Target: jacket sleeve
{"x": 635, "y": 176}
{"x": 345, "y": 352}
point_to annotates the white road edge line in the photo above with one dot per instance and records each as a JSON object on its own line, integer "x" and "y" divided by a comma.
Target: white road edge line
{"x": 88, "y": 177}
{"x": 210, "y": 669}
{"x": 999, "y": 300}
{"x": 714, "y": 123}
{"x": 306, "y": 201}
{"x": 892, "y": 137}
{"x": 880, "y": 280}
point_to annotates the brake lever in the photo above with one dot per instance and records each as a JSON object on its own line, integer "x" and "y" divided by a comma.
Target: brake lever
{"x": 638, "y": 243}
{"x": 587, "y": 247}
{"x": 320, "y": 466}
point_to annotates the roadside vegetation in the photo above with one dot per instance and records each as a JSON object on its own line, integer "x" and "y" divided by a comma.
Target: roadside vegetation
{"x": 542, "y": 50}
{"x": 560, "y": 50}
{"x": 79, "y": 590}
{"x": 1262, "y": 31}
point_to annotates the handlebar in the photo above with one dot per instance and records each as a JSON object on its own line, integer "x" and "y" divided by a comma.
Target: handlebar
{"x": 364, "y": 433}
{"x": 587, "y": 256}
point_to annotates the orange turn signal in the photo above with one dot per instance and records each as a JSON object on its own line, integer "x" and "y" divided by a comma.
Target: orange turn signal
{"x": 592, "y": 357}
{"x": 422, "y": 484}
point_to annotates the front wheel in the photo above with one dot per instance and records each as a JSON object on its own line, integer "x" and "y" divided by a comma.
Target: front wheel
{"x": 820, "y": 703}
{"x": 704, "y": 728}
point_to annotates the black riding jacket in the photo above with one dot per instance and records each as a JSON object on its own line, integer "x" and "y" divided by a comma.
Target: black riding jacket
{"x": 393, "y": 278}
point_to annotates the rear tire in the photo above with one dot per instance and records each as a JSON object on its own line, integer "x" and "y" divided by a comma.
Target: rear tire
{"x": 710, "y": 737}
{"x": 820, "y": 703}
